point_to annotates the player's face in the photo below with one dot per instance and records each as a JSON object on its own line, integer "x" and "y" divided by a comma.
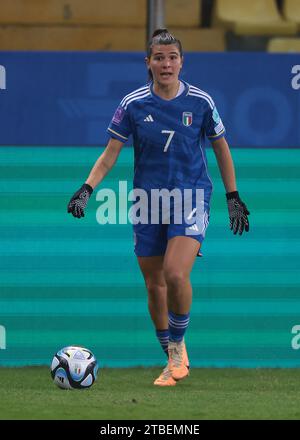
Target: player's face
{"x": 165, "y": 63}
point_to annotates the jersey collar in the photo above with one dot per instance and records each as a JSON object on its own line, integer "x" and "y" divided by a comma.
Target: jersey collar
{"x": 183, "y": 94}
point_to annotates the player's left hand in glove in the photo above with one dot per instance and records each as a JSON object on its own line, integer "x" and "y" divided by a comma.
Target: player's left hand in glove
{"x": 238, "y": 213}
{"x": 79, "y": 200}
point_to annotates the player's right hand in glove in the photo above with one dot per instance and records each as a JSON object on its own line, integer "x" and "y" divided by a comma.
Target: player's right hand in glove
{"x": 79, "y": 200}
{"x": 238, "y": 213}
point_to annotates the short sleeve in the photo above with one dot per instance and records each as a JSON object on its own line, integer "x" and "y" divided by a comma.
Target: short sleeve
{"x": 213, "y": 125}
{"x": 120, "y": 127}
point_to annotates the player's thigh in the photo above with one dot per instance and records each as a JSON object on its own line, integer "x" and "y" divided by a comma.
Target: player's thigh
{"x": 153, "y": 271}
{"x": 180, "y": 256}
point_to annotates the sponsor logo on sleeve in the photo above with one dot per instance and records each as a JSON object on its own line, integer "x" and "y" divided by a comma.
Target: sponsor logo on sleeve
{"x": 118, "y": 116}
{"x": 216, "y": 116}
{"x": 219, "y": 128}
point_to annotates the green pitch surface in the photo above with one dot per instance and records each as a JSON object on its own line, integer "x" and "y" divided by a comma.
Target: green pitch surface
{"x": 128, "y": 394}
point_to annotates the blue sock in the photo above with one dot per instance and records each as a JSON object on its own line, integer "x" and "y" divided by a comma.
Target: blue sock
{"x": 163, "y": 337}
{"x": 177, "y": 326}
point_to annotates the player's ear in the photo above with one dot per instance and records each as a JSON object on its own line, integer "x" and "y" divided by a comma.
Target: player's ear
{"x": 181, "y": 62}
{"x": 147, "y": 61}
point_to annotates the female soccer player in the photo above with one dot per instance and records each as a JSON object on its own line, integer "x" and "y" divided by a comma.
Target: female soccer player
{"x": 168, "y": 119}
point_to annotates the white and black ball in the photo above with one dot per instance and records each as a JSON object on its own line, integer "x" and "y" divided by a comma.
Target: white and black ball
{"x": 74, "y": 367}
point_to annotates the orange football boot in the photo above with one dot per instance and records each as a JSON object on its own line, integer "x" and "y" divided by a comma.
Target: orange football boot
{"x": 165, "y": 379}
{"x": 178, "y": 360}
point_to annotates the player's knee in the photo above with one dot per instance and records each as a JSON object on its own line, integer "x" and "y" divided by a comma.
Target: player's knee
{"x": 175, "y": 277}
{"x": 155, "y": 288}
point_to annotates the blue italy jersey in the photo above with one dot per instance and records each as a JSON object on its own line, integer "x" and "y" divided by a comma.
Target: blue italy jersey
{"x": 168, "y": 137}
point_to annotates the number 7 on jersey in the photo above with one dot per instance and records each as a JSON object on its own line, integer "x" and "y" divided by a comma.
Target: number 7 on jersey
{"x": 171, "y": 134}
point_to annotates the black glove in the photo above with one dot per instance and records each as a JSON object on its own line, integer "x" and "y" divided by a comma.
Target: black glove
{"x": 238, "y": 213}
{"x": 79, "y": 200}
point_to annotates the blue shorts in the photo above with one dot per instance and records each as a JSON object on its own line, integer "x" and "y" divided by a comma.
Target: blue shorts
{"x": 151, "y": 239}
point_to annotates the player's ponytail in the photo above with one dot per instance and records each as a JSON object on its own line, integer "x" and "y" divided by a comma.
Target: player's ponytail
{"x": 162, "y": 36}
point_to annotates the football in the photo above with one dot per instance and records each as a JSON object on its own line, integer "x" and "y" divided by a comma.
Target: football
{"x": 74, "y": 367}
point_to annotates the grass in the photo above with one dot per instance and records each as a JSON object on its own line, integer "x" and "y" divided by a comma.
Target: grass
{"x": 128, "y": 394}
